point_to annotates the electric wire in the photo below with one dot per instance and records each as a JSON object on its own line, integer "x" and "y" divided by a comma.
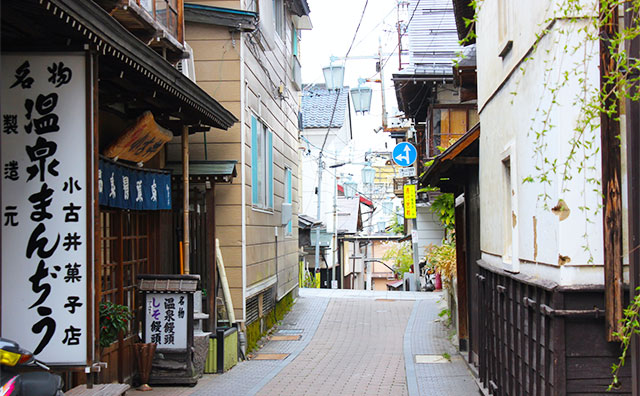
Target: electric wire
{"x": 335, "y": 105}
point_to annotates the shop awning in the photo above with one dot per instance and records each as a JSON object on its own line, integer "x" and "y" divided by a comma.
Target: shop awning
{"x": 71, "y": 24}
{"x": 216, "y": 171}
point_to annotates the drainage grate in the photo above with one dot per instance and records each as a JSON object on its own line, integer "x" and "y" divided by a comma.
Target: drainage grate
{"x": 286, "y": 337}
{"x": 431, "y": 359}
{"x": 289, "y": 332}
{"x": 270, "y": 356}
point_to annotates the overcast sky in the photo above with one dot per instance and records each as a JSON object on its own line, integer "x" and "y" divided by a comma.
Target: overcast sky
{"x": 334, "y": 24}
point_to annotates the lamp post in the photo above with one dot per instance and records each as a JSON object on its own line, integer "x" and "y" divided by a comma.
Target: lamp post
{"x": 368, "y": 178}
{"x": 361, "y": 98}
{"x": 350, "y": 188}
{"x": 334, "y": 77}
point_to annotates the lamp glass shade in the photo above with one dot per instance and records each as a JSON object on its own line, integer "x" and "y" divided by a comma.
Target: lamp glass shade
{"x": 333, "y": 76}
{"x": 368, "y": 175}
{"x": 350, "y": 189}
{"x": 361, "y": 98}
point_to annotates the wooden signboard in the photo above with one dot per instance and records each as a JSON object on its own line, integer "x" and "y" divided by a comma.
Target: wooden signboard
{"x": 141, "y": 141}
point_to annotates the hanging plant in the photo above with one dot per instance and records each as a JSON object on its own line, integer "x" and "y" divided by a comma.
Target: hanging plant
{"x": 444, "y": 207}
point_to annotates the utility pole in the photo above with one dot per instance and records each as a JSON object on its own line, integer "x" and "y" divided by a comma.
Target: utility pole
{"x": 399, "y": 38}
{"x": 335, "y": 229}
{"x": 381, "y": 70}
{"x": 319, "y": 215}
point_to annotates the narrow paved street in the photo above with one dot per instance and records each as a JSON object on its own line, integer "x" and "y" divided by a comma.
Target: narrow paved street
{"x": 352, "y": 343}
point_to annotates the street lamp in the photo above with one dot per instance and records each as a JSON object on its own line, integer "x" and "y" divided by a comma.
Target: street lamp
{"x": 350, "y": 187}
{"x": 333, "y": 76}
{"x": 368, "y": 175}
{"x": 361, "y": 98}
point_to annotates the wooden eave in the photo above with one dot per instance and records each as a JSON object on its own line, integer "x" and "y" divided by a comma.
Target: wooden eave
{"x": 240, "y": 20}
{"x": 299, "y": 7}
{"x": 415, "y": 92}
{"x": 217, "y": 171}
{"x": 463, "y": 11}
{"x": 131, "y": 73}
{"x": 461, "y": 154}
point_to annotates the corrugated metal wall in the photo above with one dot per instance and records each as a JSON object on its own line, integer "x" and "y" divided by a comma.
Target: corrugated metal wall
{"x": 433, "y": 39}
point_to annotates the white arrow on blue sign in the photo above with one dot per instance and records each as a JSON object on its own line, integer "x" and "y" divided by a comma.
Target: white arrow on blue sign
{"x": 404, "y": 154}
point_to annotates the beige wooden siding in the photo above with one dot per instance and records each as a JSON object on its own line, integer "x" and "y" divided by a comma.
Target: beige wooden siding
{"x": 281, "y": 116}
{"x": 218, "y": 70}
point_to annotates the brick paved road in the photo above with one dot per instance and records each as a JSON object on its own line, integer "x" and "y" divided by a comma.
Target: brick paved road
{"x": 353, "y": 343}
{"x": 357, "y": 350}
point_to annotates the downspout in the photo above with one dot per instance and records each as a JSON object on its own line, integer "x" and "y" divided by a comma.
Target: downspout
{"x": 243, "y": 211}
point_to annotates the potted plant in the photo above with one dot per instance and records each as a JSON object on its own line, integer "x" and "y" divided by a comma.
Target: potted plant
{"x": 114, "y": 318}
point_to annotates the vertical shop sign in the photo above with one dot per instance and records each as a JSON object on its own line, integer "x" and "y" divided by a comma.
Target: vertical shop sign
{"x": 166, "y": 320}
{"x": 409, "y": 201}
{"x": 44, "y": 205}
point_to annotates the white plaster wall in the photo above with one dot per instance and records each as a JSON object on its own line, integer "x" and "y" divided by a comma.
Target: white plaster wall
{"x": 333, "y": 148}
{"x": 509, "y": 125}
{"x": 430, "y": 230}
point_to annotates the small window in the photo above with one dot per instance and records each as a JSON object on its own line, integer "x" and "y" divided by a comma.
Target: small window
{"x": 294, "y": 41}
{"x": 288, "y": 190}
{"x": 252, "y": 5}
{"x": 167, "y": 15}
{"x": 504, "y": 27}
{"x": 261, "y": 165}
{"x": 449, "y": 125}
{"x": 278, "y": 17}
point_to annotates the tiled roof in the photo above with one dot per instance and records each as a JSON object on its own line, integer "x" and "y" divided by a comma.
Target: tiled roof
{"x": 317, "y": 106}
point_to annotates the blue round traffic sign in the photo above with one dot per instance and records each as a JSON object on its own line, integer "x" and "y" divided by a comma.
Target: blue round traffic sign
{"x": 404, "y": 154}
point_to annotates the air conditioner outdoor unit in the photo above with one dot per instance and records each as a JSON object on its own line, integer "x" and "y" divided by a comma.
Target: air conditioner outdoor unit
{"x": 187, "y": 66}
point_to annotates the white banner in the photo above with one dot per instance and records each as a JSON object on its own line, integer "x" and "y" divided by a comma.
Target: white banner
{"x": 166, "y": 320}
{"x": 44, "y": 205}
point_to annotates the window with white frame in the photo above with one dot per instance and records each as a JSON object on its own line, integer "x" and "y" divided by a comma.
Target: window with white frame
{"x": 261, "y": 165}
{"x": 288, "y": 190}
{"x": 252, "y": 5}
{"x": 278, "y": 17}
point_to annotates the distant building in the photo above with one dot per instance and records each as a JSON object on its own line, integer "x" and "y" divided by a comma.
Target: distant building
{"x": 247, "y": 53}
{"x": 326, "y": 128}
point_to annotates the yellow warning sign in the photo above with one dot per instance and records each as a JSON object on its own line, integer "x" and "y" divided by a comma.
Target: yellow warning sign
{"x": 409, "y": 201}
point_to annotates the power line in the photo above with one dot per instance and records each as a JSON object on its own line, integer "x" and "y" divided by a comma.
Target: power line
{"x": 335, "y": 104}
{"x": 398, "y": 45}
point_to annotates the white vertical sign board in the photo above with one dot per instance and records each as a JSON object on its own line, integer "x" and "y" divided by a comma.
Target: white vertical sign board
{"x": 44, "y": 205}
{"x": 166, "y": 320}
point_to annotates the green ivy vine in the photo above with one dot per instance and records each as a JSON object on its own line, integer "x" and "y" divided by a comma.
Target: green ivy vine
{"x": 580, "y": 35}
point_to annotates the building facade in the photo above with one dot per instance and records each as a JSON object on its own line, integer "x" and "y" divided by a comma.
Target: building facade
{"x": 247, "y": 53}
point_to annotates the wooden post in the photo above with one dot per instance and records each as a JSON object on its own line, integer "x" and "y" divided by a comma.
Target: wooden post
{"x": 611, "y": 184}
{"x": 633, "y": 177}
{"x": 211, "y": 255}
{"x": 461, "y": 274}
{"x": 185, "y": 198}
